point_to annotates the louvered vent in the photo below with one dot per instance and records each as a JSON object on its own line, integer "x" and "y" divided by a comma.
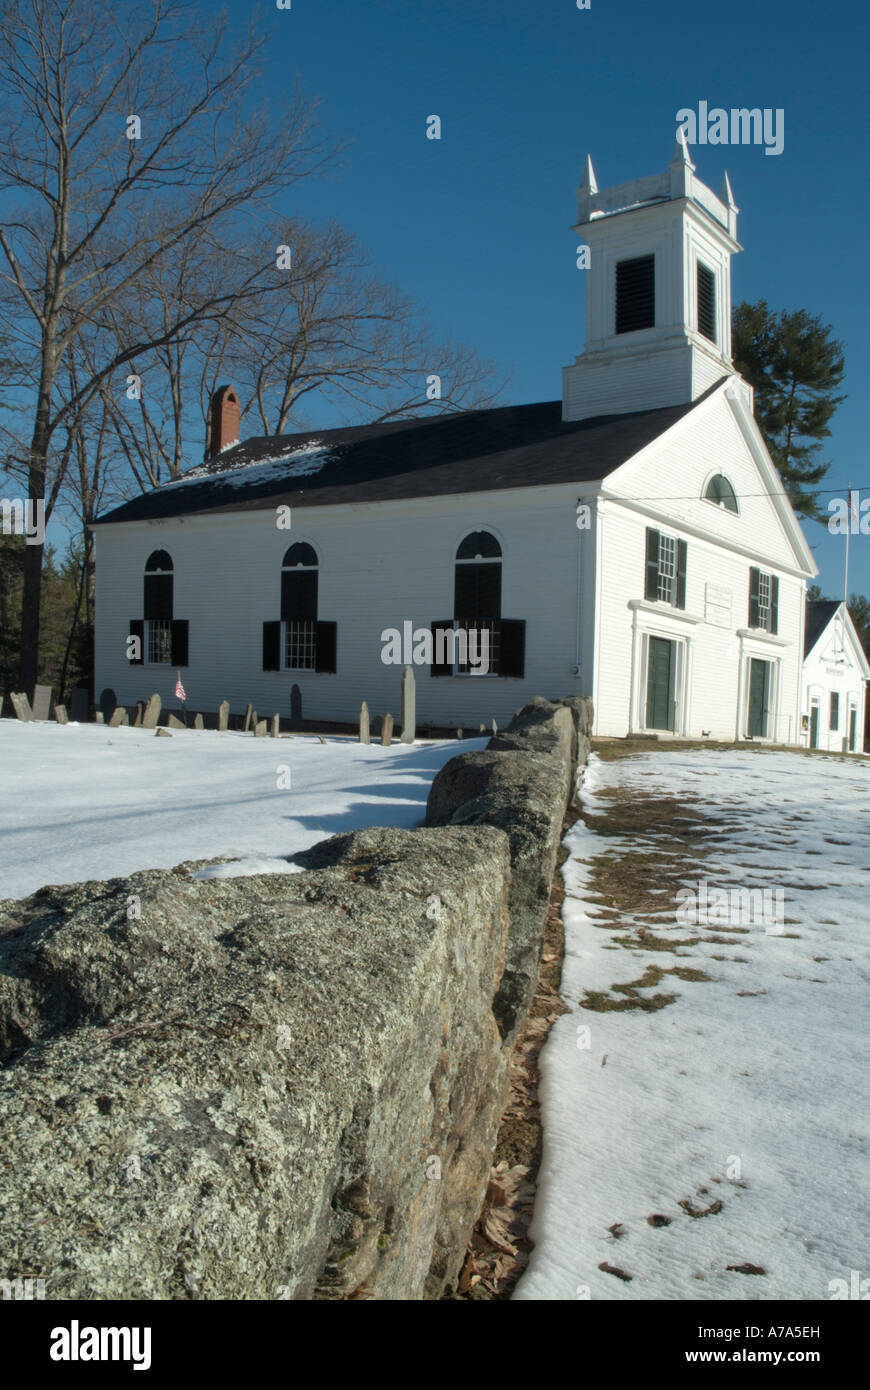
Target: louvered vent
{"x": 635, "y": 294}
{"x": 706, "y": 302}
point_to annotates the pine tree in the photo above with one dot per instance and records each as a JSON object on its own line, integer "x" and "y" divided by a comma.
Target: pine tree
{"x": 795, "y": 367}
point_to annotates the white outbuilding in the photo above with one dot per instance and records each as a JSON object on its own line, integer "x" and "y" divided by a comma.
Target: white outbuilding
{"x": 835, "y": 675}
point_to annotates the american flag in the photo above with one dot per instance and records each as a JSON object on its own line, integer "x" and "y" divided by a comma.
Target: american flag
{"x": 179, "y": 690}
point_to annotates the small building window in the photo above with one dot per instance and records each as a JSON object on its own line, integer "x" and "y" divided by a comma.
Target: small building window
{"x": 635, "y": 294}
{"x": 706, "y": 302}
{"x": 720, "y": 491}
{"x": 835, "y": 712}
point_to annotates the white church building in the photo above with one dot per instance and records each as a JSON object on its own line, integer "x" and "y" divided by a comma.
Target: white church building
{"x": 631, "y": 541}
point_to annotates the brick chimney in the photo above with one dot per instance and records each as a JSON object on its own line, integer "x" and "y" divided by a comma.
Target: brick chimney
{"x": 224, "y": 417}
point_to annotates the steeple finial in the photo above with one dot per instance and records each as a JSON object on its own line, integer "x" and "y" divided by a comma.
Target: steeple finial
{"x": 681, "y": 157}
{"x": 727, "y": 195}
{"x": 590, "y": 183}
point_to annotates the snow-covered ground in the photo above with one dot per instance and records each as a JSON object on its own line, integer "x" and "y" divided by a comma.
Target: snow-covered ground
{"x": 746, "y": 1091}
{"x": 85, "y": 801}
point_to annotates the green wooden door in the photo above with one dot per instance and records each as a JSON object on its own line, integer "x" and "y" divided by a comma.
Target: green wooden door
{"x": 759, "y": 685}
{"x": 660, "y": 684}
{"x": 814, "y": 727}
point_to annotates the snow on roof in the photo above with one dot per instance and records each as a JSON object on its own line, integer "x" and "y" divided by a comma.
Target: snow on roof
{"x": 299, "y": 462}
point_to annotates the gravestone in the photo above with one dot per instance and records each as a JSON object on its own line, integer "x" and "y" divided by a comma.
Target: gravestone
{"x": 137, "y": 717}
{"x": 409, "y": 705}
{"x": 41, "y": 701}
{"x": 163, "y": 733}
{"x": 199, "y": 722}
{"x": 118, "y": 718}
{"x": 107, "y": 702}
{"x": 21, "y": 706}
{"x": 60, "y": 714}
{"x": 459, "y": 733}
{"x": 483, "y": 728}
{"x": 98, "y": 717}
{"x": 295, "y": 707}
{"x": 260, "y": 729}
{"x": 1, "y": 706}
{"x": 364, "y": 730}
{"x": 494, "y": 728}
{"x": 223, "y": 716}
{"x": 176, "y": 723}
{"x": 249, "y": 709}
{"x": 276, "y": 725}
{"x": 152, "y": 712}
{"x": 81, "y": 703}
{"x": 387, "y": 731}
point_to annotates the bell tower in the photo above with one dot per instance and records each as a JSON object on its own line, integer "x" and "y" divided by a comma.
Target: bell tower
{"x": 658, "y": 294}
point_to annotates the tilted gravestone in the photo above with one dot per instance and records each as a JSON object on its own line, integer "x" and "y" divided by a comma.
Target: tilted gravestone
{"x": 364, "y": 730}
{"x": 387, "y": 731}
{"x": 199, "y": 722}
{"x": 249, "y": 709}
{"x": 81, "y": 703}
{"x": 118, "y": 718}
{"x": 176, "y": 723}
{"x": 60, "y": 714}
{"x": 152, "y": 712}
{"x": 223, "y": 716}
{"x": 41, "y": 701}
{"x": 137, "y": 718}
{"x": 295, "y": 707}
{"x": 260, "y": 729}
{"x": 21, "y": 706}
{"x": 409, "y": 705}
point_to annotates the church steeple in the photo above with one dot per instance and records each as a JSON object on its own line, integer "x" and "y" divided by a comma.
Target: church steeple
{"x": 658, "y": 294}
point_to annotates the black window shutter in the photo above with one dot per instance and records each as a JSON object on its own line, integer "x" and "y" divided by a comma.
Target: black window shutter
{"x": 271, "y": 646}
{"x": 179, "y": 641}
{"x": 774, "y": 604}
{"x": 513, "y": 647}
{"x": 681, "y": 574}
{"x": 635, "y": 294}
{"x": 706, "y": 302}
{"x": 444, "y": 668}
{"x": 137, "y": 629}
{"x": 158, "y": 597}
{"x": 299, "y": 595}
{"x": 327, "y": 638}
{"x": 652, "y": 563}
{"x": 754, "y": 592}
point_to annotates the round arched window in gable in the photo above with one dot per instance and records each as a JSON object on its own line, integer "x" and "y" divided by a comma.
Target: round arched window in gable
{"x": 720, "y": 491}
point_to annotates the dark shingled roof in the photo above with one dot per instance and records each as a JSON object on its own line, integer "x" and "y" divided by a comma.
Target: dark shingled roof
{"x": 475, "y": 451}
{"x": 819, "y": 614}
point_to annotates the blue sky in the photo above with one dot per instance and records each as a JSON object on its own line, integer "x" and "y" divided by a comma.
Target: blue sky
{"x": 476, "y": 226}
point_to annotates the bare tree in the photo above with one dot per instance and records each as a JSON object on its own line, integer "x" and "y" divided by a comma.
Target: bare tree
{"x": 128, "y": 132}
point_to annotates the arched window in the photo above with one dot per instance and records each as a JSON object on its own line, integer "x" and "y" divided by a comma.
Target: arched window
{"x": 299, "y": 572}
{"x": 158, "y": 608}
{"x": 720, "y": 491}
{"x": 477, "y": 585}
{"x": 162, "y": 640}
